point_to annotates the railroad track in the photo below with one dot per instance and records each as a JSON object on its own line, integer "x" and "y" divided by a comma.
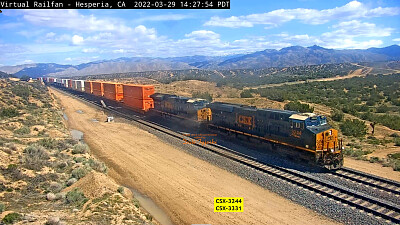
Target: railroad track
{"x": 378, "y": 207}
{"x": 369, "y": 180}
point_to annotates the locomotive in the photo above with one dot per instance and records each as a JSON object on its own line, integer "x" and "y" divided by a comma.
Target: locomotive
{"x": 309, "y": 133}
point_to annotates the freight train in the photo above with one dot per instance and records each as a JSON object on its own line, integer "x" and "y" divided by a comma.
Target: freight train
{"x": 308, "y": 133}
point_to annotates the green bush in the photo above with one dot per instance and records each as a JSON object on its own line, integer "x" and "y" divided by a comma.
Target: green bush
{"x": 48, "y": 143}
{"x": 397, "y": 141}
{"x": 382, "y": 109}
{"x": 80, "y": 148}
{"x": 12, "y": 218}
{"x": 98, "y": 166}
{"x": 9, "y": 112}
{"x": 2, "y": 207}
{"x": 76, "y": 197}
{"x": 299, "y": 107}
{"x": 22, "y": 131}
{"x": 80, "y": 172}
{"x": 337, "y": 115}
{"x": 21, "y": 91}
{"x": 394, "y": 155}
{"x": 355, "y": 153}
{"x": 120, "y": 190}
{"x": 374, "y": 159}
{"x": 355, "y": 128}
{"x": 246, "y": 94}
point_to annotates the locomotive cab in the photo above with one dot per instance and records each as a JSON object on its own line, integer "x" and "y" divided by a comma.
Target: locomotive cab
{"x": 320, "y": 137}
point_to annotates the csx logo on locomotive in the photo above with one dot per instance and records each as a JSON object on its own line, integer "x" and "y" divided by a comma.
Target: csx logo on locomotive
{"x": 247, "y": 120}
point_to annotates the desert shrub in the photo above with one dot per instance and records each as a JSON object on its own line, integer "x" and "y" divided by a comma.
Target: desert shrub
{"x": 136, "y": 203}
{"x": 382, "y": 109}
{"x": 120, "y": 190}
{"x": 25, "y": 78}
{"x": 337, "y": 115}
{"x": 79, "y": 159}
{"x": 246, "y": 94}
{"x": 299, "y": 107}
{"x": 80, "y": 172}
{"x": 394, "y": 155}
{"x": 97, "y": 165}
{"x": 48, "y": 143}
{"x": 12, "y": 146}
{"x": 12, "y": 218}
{"x": 80, "y": 148}
{"x": 55, "y": 187}
{"x": 22, "y": 131}
{"x": 35, "y": 157}
{"x": 205, "y": 95}
{"x": 75, "y": 196}
{"x": 2, "y": 207}
{"x": 355, "y": 152}
{"x": 394, "y": 163}
{"x": 373, "y": 141}
{"x": 374, "y": 159}
{"x": 21, "y": 91}
{"x": 149, "y": 217}
{"x": 9, "y": 112}
{"x": 355, "y": 128}
{"x": 397, "y": 141}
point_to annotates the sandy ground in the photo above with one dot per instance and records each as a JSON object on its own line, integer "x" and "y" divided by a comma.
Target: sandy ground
{"x": 181, "y": 184}
{"x": 373, "y": 168}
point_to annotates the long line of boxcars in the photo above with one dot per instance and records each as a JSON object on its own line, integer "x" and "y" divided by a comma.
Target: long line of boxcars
{"x": 133, "y": 96}
{"x": 308, "y": 132}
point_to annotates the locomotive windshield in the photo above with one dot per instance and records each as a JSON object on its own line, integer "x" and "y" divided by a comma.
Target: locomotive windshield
{"x": 316, "y": 121}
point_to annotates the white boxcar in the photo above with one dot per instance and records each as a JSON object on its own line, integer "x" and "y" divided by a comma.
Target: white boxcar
{"x": 80, "y": 85}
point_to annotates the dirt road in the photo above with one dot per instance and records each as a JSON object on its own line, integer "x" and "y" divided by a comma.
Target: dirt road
{"x": 184, "y": 186}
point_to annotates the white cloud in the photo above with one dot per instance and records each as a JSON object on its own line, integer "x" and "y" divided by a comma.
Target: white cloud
{"x": 77, "y": 40}
{"x": 343, "y": 43}
{"x": 119, "y": 51}
{"x": 396, "y": 39}
{"x": 232, "y": 22}
{"x": 90, "y": 50}
{"x": 164, "y": 17}
{"x": 356, "y": 28}
{"x": 203, "y": 35}
{"x": 28, "y": 61}
{"x": 351, "y": 10}
{"x": 73, "y": 20}
{"x": 79, "y": 60}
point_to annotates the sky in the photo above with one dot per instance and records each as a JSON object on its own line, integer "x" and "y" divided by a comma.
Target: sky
{"x": 81, "y": 36}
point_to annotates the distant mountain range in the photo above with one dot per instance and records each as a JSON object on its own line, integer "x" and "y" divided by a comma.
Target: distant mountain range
{"x": 286, "y": 57}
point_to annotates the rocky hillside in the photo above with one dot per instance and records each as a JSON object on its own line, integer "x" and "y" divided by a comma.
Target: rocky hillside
{"x": 46, "y": 176}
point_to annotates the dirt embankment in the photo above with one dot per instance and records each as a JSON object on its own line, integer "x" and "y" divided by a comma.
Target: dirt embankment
{"x": 184, "y": 186}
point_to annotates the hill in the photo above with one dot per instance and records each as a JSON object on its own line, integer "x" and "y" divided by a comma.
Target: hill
{"x": 285, "y": 57}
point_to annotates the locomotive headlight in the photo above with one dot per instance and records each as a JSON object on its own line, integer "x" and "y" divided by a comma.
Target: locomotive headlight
{"x": 331, "y": 150}
{"x": 342, "y": 148}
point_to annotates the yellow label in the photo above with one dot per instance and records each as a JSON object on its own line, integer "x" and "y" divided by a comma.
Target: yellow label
{"x": 228, "y": 204}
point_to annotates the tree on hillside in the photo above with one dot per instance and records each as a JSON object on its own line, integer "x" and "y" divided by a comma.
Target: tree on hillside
{"x": 299, "y": 107}
{"x": 337, "y": 115}
{"x": 246, "y": 94}
{"x": 25, "y": 78}
{"x": 355, "y": 128}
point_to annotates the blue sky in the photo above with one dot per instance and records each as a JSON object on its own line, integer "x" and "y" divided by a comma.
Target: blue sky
{"x": 79, "y": 36}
